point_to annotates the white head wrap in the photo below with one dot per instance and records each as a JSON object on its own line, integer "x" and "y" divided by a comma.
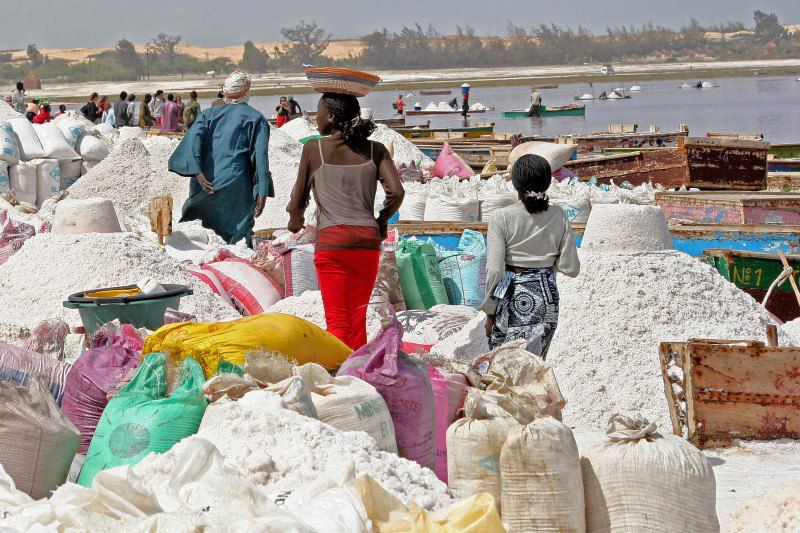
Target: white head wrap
{"x": 236, "y": 87}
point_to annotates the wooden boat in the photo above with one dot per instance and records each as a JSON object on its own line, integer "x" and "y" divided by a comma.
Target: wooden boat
{"x": 394, "y": 122}
{"x": 783, "y": 165}
{"x": 723, "y": 164}
{"x": 726, "y": 390}
{"x": 692, "y": 239}
{"x": 783, "y": 181}
{"x": 754, "y": 272}
{"x": 596, "y": 143}
{"x": 741, "y": 136}
{"x": 414, "y": 113}
{"x": 427, "y": 133}
{"x": 731, "y": 207}
{"x": 666, "y": 167}
{"x": 431, "y": 92}
{"x": 540, "y": 87}
{"x": 785, "y": 150}
{"x": 552, "y": 111}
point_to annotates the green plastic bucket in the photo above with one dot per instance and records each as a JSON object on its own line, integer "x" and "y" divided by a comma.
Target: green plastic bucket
{"x": 141, "y": 310}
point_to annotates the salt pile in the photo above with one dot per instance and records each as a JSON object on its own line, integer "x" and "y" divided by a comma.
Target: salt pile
{"x": 631, "y": 229}
{"x": 404, "y": 150}
{"x": 308, "y": 306}
{"x": 299, "y": 128}
{"x": 282, "y": 451}
{"x": 49, "y": 267}
{"x": 776, "y": 510}
{"x": 7, "y": 112}
{"x": 131, "y": 175}
{"x": 615, "y": 314}
{"x": 284, "y": 162}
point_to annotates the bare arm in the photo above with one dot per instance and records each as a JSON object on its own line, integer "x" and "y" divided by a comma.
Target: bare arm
{"x": 301, "y": 192}
{"x": 387, "y": 175}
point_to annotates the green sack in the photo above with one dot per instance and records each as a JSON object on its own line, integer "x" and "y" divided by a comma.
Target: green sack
{"x": 142, "y": 418}
{"x": 420, "y": 277}
{"x": 226, "y": 367}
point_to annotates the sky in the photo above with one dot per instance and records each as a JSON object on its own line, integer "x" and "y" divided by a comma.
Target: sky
{"x": 219, "y": 23}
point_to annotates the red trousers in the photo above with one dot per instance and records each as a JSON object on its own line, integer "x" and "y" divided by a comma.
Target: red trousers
{"x": 282, "y": 119}
{"x": 346, "y": 279}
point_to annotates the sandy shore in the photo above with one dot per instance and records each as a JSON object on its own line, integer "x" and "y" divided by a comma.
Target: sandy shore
{"x": 296, "y": 82}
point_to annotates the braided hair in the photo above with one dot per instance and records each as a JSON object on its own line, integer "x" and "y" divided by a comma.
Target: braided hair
{"x": 531, "y": 176}
{"x": 346, "y": 117}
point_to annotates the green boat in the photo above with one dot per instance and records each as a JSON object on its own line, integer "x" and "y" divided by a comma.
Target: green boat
{"x": 573, "y": 110}
{"x": 754, "y": 272}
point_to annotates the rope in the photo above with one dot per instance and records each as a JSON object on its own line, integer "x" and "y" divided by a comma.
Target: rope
{"x": 783, "y": 276}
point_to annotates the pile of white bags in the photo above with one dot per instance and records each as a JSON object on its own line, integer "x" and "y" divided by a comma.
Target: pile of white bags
{"x": 30, "y": 147}
{"x": 573, "y": 197}
{"x": 413, "y": 206}
{"x": 450, "y": 200}
{"x": 23, "y": 178}
{"x": 636, "y": 479}
{"x": 495, "y": 193}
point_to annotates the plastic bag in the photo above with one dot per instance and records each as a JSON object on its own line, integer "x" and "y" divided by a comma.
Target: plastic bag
{"x": 464, "y": 269}
{"x": 405, "y": 384}
{"x": 141, "y": 418}
{"x": 13, "y": 235}
{"x": 250, "y": 289}
{"x": 387, "y": 285}
{"x": 212, "y": 342}
{"x": 19, "y": 365}
{"x": 48, "y": 338}
{"x": 116, "y": 334}
{"x": 39, "y": 442}
{"x": 172, "y": 316}
{"x": 92, "y": 377}
{"x": 420, "y": 277}
{"x": 449, "y": 164}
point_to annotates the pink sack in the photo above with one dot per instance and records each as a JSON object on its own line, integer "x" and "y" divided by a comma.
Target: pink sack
{"x": 92, "y": 377}
{"x": 19, "y": 365}
{"x": 449, "y": 164}
{"x": 116, "y": 334}
{"x": 449, "y": 392}
{"x": 13, "y": 235}
{"x": 210, "y": 279}
{"x": 250, "y": 289}
{"x": 410, "y": 394}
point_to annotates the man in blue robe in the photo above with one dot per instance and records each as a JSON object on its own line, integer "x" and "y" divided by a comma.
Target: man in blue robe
{"x": 226, "y": 151}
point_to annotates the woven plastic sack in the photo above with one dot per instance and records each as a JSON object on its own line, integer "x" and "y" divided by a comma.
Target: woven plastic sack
{"x": 636, "y": 479}
{"x": 9, "y": 147}
{"x": 413, "y": 207}
{"x": 300, "y": 274}
{"x": 94, "y": 374}
{"x": 540, "y": 472}
{"x": 448, "y": 207}
{"x": 13, "y": 235}
{"x": 48, "y": 179}
{"x": 405, "y": 385}
{"x": 464, "y": 269}
{"x": 20, "y": 365}
{"x": 557, "y": 154}
{"x": 449, "y": 164}
{"x": 350, "y": 404}
{"x": 473, "y": 447}
{"x": 72, "y": 129}
{"x": 70, "y": 172}
{"x": 54, "y": 143}
{"x": 30, "y": 147}
{"x": 420, "y": 277}
{"x": 212, "y": 342}
{"x": 39, "y": 442}
{"x": 5, "y": 178}
{"x": 143, "y": 418}
{"x": 574, "y": 197}
{"x": 91, "y": 149}
{"x": 24, "y": 182}
{"x": 249, "y": 288}
{"x": 387, "y": 288}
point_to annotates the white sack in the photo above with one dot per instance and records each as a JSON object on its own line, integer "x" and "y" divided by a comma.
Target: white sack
{"x": 9, "y": 147}
{"x": 54, "y": 143}
{"x": 23, "y": 181}
{"x": 30, "y": 147}
{"x": 91, "y": 148}
{"x": 48, "y": 179}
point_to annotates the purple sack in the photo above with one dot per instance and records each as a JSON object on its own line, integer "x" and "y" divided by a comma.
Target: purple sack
{"x": 93, "y": 375}
{"x": 404, "y": 383}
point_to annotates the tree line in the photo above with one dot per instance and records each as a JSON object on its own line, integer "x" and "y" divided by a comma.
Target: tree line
{"x": 417, "y": 48}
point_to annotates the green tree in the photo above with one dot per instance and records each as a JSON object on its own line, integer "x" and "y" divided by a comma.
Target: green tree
{"x": 35, "y": 56}
{"x": 768, "y": 29}
{"x": 304, "y": 43}
{"x": 125, "y": 54}
{"x": 163, "y": 46}
{"x": 254, "y": 59}
{"x": 692, "y": 34}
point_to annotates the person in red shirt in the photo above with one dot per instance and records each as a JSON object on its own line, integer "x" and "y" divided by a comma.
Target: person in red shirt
{"x": 398, "y": 104}
{"x": 43, "y": 116}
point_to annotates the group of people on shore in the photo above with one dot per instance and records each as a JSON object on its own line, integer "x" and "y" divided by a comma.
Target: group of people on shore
{"x": 226, "y": 155}
{"x": 37, "y": 110}
{"x": 168, "y": 112}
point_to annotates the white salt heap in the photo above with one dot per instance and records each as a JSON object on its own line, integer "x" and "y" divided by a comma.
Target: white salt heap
{"x": 284, "y": 161}
{"x": 776, "y": 510}
{"x": 281, "y": 451}
{"x": 7, "y": 112}
{"x": 614, "y": 316}
{"x": 630, "y": 229}
{"x": 793, "y": 329}
{"x": 404, "y": 150}
{"x": 130, "y": 176}
{"x": 308, "y": 306}
{"x": 299, "y": 128}
{"x": 48, "y": 268}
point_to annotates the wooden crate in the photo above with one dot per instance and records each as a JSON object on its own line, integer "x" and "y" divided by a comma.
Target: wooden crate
{"x": 721, "y": 390}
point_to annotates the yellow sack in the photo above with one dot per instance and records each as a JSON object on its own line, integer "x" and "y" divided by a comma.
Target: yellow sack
{"x": 212, "y": 342}
{"x": 477, "y": 514}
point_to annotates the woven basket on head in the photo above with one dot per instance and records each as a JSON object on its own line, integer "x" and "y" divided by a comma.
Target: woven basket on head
{"x": 341, "y": 80}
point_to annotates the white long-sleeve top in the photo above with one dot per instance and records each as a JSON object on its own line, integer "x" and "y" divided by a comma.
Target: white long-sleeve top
{"x": 519, "y": 239}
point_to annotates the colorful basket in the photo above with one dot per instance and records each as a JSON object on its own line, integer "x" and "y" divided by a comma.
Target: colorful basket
{"x": 341, "y": 80}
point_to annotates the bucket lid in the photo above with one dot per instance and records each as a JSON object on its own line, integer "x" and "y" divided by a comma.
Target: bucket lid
{"x": 125, "y": 294}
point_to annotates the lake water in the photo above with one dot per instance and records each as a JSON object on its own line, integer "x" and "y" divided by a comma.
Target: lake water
{"x": 760, "y": 104}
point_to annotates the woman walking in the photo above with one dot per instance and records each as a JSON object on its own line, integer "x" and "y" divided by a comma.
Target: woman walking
{"x": 343, "y": 169}
{"x": 528, "y": 242}
{"x": 145, "y": 116}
